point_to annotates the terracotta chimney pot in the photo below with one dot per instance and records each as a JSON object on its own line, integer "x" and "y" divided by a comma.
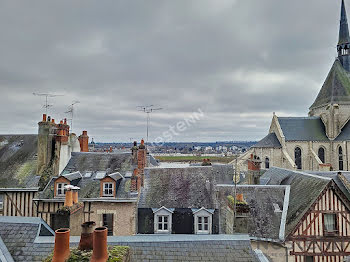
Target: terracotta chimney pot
{"x": 61, "y": 122}
{"x": 61, "y": 250}
{"x": 239, "y": 197}
{"x": 86, "y": 238}
{"x": 100, "y": 252}
{"x": 53, "y": 120}
{"x": 65, "y": 121}
{"x": 68, "y": 201}
{"x": 44, "y": 117}
{"x": 75, "y": 195}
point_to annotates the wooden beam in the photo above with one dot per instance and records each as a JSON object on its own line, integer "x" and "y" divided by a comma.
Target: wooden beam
{"x": 14, "y": 204}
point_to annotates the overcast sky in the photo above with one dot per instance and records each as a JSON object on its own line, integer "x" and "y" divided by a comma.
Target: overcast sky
{"x": 236, "y": 60}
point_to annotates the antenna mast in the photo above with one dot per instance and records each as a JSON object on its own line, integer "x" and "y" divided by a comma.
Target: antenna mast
{"x": 46, "y": 95}
{"x": 148, "y": 110}
{"x": 71, "y": 112}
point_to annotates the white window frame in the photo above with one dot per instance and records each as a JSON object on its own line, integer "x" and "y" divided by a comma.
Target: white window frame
{"x": 58, "y": 189}
{"x": 163, "y": 213}
{"x": 108, "y": 188}
{"x": 199, "y": 217}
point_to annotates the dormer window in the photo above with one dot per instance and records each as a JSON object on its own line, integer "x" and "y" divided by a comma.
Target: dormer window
{"x": 108, "y": 189}
{"x": 203, "y": 220}
{"x": 60, "y": 189}
{"x": 162, "y": 220}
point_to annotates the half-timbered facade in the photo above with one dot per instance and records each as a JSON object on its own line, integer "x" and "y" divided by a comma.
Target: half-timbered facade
{"x": 18, "y": 201}
{"x": 317, "y": 222}
{"x": 323, "y": 234}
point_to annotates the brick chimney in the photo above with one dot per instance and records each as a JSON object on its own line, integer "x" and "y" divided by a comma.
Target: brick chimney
{"x": 84, "y": 142}
{"x": 135, "y": 181}
{"x": 254, "y": 164}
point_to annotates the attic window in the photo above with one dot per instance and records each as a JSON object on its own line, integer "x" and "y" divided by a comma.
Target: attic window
{"x": 60, "y": 189}
{"x": 203, "y": 221}
{"x": 108, "y": 189}
{"x": 162, "y": 221}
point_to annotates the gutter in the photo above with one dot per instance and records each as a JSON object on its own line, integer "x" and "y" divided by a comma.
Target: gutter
{"x": 61, "y": 200}
{"x": 32, "y": 189}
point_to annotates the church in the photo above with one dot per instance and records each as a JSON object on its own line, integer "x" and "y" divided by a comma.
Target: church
{"x": 320, "y": 141}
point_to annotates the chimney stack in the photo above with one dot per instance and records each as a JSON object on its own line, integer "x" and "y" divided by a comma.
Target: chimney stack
{"x": 44, "y": 117}
{"x": 68, "y": 201}
{"x": 99, "y": 252}
{"x": 84, "y": 142}
{"x": 254, "y": 163}
{"x": 86, "y": 238}
{"x": 61, "y": 250}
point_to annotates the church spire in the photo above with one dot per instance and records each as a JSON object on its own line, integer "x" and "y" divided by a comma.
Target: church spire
{"x": 343, "y": 46}
{"x": 344, "y": 37}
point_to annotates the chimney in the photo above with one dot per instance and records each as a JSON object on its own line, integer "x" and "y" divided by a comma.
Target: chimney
{"x": 75, "y": 194}
{"x": 61, "y": 250}
{"x": 239, "y": 198}
{"x": 135, "y": 181}
{"x": 254, "y": 163}
{"x": 46, "y": 148}
{"x": 134, "y": 153}
{"x": 99, "y": 252}
{"x": 68, "y": 201}
{"x": 86, "y": 238}
{"x": 84, "y": 142}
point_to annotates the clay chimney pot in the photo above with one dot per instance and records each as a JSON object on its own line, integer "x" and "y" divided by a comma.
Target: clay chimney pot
{"x": 65, "y": 121}
{"x": 86, "y": 238}
{"x": 44, "y": 117}
{"x": 53, "y": 120}
{"x": 61, "y": 250}
{"x": 68, "y": 201}
{"x": 100, "y": 252}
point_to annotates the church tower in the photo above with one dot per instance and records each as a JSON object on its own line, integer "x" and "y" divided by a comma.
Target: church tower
{"x": 343, "y": 46}
{"x": 332, "y": 103}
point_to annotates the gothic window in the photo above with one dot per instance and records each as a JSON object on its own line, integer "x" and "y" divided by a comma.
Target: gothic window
{"x": 297, "y": 157}
{"x": 267, "y": 163}
{"x": 340, "y": 158}
{"x": 321, "y": 154}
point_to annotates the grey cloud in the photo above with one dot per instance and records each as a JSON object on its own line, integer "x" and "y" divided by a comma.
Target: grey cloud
{"x": 181, "y": 55}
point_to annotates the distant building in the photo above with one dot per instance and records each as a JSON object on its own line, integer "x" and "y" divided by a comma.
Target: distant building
{"x": 321, "y": 140}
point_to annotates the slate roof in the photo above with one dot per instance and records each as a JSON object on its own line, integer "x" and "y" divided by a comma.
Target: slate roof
{"x": 304, "y": 190}
{"x": 190, "y": 187}
{"x": 269, "y": 141}
{"x": 90, "y": 188}
{"x": 264, "y": 221}
{"x": 303, "y": 128}
{"x": 19, "y": 234}
{"x": 336, "y": 87}
{"x": 91, "y": 161}
{"x": 18, "y": 161}
{"x": 345, "y": 133}
{"x": 234, "y": 248}
{"x": 190, "y": 248}
{"x": 344, "y": 29}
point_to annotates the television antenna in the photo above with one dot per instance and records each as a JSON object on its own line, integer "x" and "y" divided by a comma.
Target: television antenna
{"x": 148, "y": 110}
{"x": 46, "y": 95}
{"x": 71, "y": 112}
